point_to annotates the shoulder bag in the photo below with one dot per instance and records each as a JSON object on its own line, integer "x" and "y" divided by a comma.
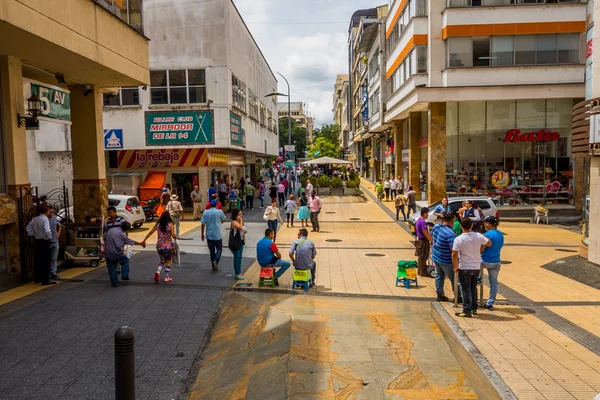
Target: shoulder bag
{"x": 235, "y": 239}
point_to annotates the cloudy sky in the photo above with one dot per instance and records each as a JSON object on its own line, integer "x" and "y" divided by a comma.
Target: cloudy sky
{"x": 305, "y": 40}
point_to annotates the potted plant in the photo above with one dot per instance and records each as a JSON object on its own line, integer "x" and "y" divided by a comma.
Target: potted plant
{"x": 323, "y": 185}
{"x": 337, "y": 187}
{"x": 352, "y": 187}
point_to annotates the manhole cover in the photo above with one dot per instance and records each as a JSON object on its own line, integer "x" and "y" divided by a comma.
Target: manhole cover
{"x": 330, "y": 212}
{"x": 566, "y": 250}
{"x": 334, "y": 240}
{"x": 505, "y": 262}
{"x": 243, "y": 285}
{"x": 375, "y": 255}
{"x": 354, "y": 219}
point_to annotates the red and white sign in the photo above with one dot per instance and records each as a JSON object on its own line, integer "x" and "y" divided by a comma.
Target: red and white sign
{"x": 589, "y": 48}
{"x": 515, "y": 135}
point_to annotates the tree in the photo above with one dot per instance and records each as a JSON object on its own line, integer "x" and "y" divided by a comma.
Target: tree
{"x": 299, "y": 136}
{"x": 323, "y": 147}
{"x": 329, "y": 132}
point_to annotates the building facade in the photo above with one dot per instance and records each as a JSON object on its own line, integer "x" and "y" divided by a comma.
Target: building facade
{"x": 204, "y": 115}
{"x": 481, "y": 97}
{"x": 340, "y": 109}
{"x": 297, "y": 110}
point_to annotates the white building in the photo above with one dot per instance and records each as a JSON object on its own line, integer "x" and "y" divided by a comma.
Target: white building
{"x": 205, "y": 114}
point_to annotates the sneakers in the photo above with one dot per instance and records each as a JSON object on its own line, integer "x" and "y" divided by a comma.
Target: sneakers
{"x": 488, "y": 307}
{"x": 168, "y": 279}
{"x": 215, "y": 266}
{"x": 156, "y": 276}
{"x": 463, "y": 315}
{"x": 239, "y": 278}
{"x": 474, "y": 312}
{"x": 442, "y": 298}
{"x": 276, "y": 282}
{"x": 125, "y": 278}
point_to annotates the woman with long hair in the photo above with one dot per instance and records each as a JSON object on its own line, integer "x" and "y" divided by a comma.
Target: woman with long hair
{"x": 165, "y": 245}
{"x": 237, "y": 225}
{"x": 304, "y": 213}
{"x": 273, "y": 217}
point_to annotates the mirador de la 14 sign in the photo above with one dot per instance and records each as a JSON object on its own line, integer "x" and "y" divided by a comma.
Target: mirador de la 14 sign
{"x": 179, "y": 128}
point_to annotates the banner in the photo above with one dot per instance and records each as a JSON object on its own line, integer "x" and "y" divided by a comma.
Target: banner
{"x": 171, "y": 128}
{"x": 236, "y": 133}
{"x": 56, "y": 104}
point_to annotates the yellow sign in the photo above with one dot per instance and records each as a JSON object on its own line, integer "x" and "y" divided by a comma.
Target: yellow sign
{"x": 500, "y": 179}
{"x": 301, "y": 275}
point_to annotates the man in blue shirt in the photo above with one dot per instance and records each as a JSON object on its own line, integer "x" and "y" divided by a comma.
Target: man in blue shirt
{"x": 443, "y": 240}
{"x": 211, "y": 222}
{"x": 490, "y": 258}
{"x": 267, "y": 254}
{"x": 55, "y": 228}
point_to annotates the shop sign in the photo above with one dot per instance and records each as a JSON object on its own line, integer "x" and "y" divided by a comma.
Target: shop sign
{"x": 589, "y": 61}
{"x": 162, "y": 158}
{"x": 365, "y": 101}
{"x": 500, "y": 179}
{"x": 406, "y": 155}
{"x": 236, "y": 132}
{"x": 515, "y": 135}
{"x": 389, "y": 159}
{"x": 113, "y": 139}
{"x": 423, "y": 142}
{"x": 172, "y": 128}
{"x": 56, "y": 103}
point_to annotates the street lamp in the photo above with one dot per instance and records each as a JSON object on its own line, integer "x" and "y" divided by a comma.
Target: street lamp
{"x": 289, "y": 107}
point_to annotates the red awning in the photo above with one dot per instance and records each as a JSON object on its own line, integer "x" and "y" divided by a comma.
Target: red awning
{"x": 153, "y": 185}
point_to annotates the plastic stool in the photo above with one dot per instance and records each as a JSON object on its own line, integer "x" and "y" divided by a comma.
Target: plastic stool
{"x": 267, "y": 276}
{"x": 406, "y": 277}
{"x": 302, "y": 278}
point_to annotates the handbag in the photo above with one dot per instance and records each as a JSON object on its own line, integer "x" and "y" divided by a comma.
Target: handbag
{"x": 235, "y": 240}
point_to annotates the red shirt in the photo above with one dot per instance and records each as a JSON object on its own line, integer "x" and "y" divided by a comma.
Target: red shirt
{"x": 219, "y": 206}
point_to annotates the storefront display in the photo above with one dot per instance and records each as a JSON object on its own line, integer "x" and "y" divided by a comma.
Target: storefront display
{"x": 523, "y": 144}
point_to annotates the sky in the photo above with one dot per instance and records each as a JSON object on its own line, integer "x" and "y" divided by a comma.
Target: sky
{"x": 306, "y": 41}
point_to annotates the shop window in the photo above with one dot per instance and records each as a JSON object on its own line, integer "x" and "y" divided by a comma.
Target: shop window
{"x": 502, "y": 50}
{"x": 481, "y": 51}
{"x": 460, "y": 52}
{"x": 524, "y": 50}
{"x": 546, "y": 49}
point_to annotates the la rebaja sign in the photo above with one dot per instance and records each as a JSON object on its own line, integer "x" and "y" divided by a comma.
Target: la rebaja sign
{"x": 166, "y": 128}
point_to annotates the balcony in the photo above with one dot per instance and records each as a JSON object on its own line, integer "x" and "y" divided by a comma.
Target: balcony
{"x": 128, "y": 11}
{"x": 500, "y": 3}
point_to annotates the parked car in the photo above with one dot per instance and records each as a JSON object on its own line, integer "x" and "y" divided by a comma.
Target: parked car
{"x": 485, "y": 203}
{"x": 129, "y": 208}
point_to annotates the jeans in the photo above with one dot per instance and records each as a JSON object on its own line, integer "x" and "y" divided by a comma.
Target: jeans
{"x": 412, "y": 207}
{"x": 283, "y": 265}
{"x": 272, "y": 224}
{"x": 400, "y": 209}
{"x": 394, "y": 193}
{"x": 281, "y": 197}
{"x": 176, "y": 224}
{"x": 216, "y": 249}
{"x": 314, "y": 220}
{"x": 53, "y": 257}
{"x": 249, "y": 201}
{"x": 112, "y": 269}
{"x": 261, "y": 197}
{"x": 387, "y": 193}
{"x": 493, "y": 269}
{"x": 237, "y": 260}
{"x": 441, "y": 271}
{"x": 290, "y": 216}
{"x": 468, "y": 285}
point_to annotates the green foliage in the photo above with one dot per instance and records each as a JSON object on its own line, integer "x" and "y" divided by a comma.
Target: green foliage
{"x": 353, "y": 175}
{"x": 299, "y": 136}
{"x": 324, "y": 181}
{"x": 329, "y": 132}
{"x": 324, "y": 147}
{"x": 337, "y": 183}
{"x": 304, "y": 176}
{"x": 353, "y": 183}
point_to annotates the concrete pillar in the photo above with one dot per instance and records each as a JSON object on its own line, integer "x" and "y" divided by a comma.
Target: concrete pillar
{"x": 579, "y": 183}
{"x": 414, "y": 164}
{"x": 594, "y": 239}
{"x": 90, "y": 189}
{"x": 436, "y": 179}
{"x": 14, "y": 152}
{"x": 398, "y": 145}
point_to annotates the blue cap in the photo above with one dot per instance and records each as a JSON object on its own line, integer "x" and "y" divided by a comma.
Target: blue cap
{"x": 213, "y": 203}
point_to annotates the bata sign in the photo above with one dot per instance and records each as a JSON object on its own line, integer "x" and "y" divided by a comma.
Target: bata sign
{"x": 515, "y": 135}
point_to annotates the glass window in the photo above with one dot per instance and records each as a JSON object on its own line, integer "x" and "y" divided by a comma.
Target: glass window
{"x": 460, "y": 52}
{"x": 196, "y": 77}
{"x": 111, "y": 99}
{"x": 130, "y": 96}
{"x": 181, "y": 87}
{"x": 568, "y": 48}
{"x": 177, "y": 78}
{"x": 524, "y": 50}
{"x": 197, "y": 94}
{"x": 502, "y": 50}
{"x": 481, "y": 51}
{"x": 421, "y": 59}
{"x": 158, "y": 78}
{"x": 546, "y": 49}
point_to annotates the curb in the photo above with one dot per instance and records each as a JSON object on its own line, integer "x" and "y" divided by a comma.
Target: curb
{"x": 483, "y": 377}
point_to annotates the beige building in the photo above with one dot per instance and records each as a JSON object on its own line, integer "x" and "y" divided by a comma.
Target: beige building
{"x": 67, "y": 59}
{"x": 340, "y": 107}
{"x": 298, "y": 112}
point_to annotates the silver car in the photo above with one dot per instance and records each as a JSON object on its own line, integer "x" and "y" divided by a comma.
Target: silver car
{"x": 485, "y": 203}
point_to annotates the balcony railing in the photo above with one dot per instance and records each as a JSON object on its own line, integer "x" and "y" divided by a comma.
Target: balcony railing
{"x": 128, "y": 11}
{"x": 497, "y": 3}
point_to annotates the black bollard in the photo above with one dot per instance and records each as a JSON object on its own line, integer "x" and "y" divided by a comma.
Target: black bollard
{"x": 124, "y": 364}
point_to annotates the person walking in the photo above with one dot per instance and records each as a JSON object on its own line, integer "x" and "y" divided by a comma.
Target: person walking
{"x": 423, "y": 243}
{"x": 290, "y": 210}
{"x": 411, "y": 199}
{"x": 491, "y": 258}
{"x": 393, "y": 188}
{"x": 399, "y": 186}
{"x": 309, "y": 187}
{"x": 222, "y": 191}
{"x": 211, "y": 223}
{"x": 303, "y": 253}
{"x": 165, "y": 245}
{"x": 238, "y": 228}
{"x": 273, "y": 217}
{"x": 114, "y": 252}
{"x": 261, "y": 193}
{"x": 314, "y": 206}
{"x": 273, "y": 193}
{"x": 400, "y": 203}
{"x": 249, "y": 189}
{"x": 267, "y": 254}
{"x": 387, "y": 187}
{"x": 281, "y": 193}
{"x": 443, "y": 241}
{"x": 379, "y": 190}
{"x": 176, "y": 211}
{"x": 303, "y": 212}
{"x": 286, "y": 185}
{"x": 466, "y": 260}
{"x": 39, "y": 229}
{"x": 196, "y": 197}
{"x": 55, "y": 228}
{"x": 113, "y": 220}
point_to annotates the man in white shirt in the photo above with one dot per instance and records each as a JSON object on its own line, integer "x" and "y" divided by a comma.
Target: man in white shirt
{"x": 39, "y": 228}
{"x": 393, "y": 187}
{"x": 466, "y": 259}
{"x": 309, "y": 187}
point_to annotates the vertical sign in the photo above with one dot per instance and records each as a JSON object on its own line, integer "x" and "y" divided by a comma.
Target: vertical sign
{"x": 235, "y": 129}
{"x": 365, "y": 110}
{"x": 589, "y": 74}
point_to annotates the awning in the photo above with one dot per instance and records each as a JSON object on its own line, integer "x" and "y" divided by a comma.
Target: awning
{"x": 325, "y": 160}
{"x": 153, "y": 185}
{"x": 367, "y": 38}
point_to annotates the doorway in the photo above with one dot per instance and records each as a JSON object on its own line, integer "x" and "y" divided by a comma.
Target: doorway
{"x": 183, "y": 185}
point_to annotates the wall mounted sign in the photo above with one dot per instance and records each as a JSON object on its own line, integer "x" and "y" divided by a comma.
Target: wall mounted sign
{"x": 56, "y": 103}
{"x": 500, "y": 179}
{"x": 515, "y": 135}
{"x": 365, "y": 101}
{"x": 236, "y": 133}
{"x": 406, "y": 155}
{"x": 113, "y": 139}
{"x": 423, "y": 142}
{"x": 162, "y": 158}
{"x": 179, "y": 128}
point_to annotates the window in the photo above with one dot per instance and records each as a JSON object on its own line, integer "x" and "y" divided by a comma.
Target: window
{"x": 546, "y": 49}
{"x": 252, "y": 105}
{"x": 481, "y": 51}
{"x": 263, "y": 115}
{"x": 238, "y": 89}
{"x": 178, "y": 86}
{"x": 460, "y": 52}
{"x": 568, "y": 48}
{"x": 421, "y": 59}
{"x": 375, "y": 103}
{"x": 127, "y": 96}
{"x": 524, "y": 50}
{"x": 374, "y": 64}
{"x": 502, "y": 50}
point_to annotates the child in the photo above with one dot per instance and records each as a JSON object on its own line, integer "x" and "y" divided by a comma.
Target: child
{"x": 290, "y": 209}
{"x": 379, "y": 189}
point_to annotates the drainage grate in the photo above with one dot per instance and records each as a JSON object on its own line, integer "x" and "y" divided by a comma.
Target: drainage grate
{"x": 243, "y": 285}
{"x": 354, "y": 219}
{"x": 334, "y": 240}
{"x": 566, "y": 250}
{"x": 375, "y": 255}
{"x": 330, "y": 212}
{"x": 505, "y": 262}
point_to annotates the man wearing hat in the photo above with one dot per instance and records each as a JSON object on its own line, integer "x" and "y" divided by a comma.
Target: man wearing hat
{"x": 176, "y": 211}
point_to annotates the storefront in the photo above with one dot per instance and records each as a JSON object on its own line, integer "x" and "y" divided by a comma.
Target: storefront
{"x": 519, "y": 151}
